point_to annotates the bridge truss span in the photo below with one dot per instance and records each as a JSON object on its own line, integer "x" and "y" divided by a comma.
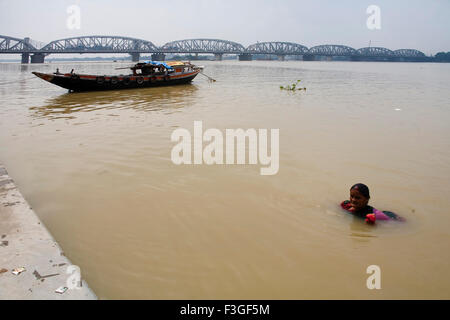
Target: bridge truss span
{"x": 37, "y": 51}
{"x": 277, "y": 48}
{"x": 375, "y": 52}
{"x": 409, "y": 53}
{"x": 332, "y": 50}
{"x": 15, "y": 45}
{"x": 103, "y": 44}
{"x": 214, "y": 46}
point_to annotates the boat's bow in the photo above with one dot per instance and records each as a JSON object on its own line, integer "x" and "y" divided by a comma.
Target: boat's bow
{"x": 44, "y": 76}
{"x": 66, "y": 81}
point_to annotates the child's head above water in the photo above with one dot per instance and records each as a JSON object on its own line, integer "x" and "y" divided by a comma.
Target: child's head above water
{"x": 359, "y": 196}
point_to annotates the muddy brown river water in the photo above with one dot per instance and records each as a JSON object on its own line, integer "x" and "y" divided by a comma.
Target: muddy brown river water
{"x": 97, "y": 169}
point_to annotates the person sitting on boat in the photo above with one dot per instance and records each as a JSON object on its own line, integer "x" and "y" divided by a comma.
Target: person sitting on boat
{"x": 358, "y": 206}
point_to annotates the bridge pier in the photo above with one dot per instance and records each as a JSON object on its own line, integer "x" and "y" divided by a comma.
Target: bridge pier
{"x": 356, "y": 58}
{"x": 412, "y": 59}
{"x": 309, "y": 57}
{"x": 194, "y": 57}
{"x": 281, "y": 57}
{"x": 37, "y": 58}
{"x": 135, "y": 56}
{"x": 25, "y": 57}
{"x": 218, "y": 56}
{"x": 158, "y": 57}
{"x": 245, "y": 57}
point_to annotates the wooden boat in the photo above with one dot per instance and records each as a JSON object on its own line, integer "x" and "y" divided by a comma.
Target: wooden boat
{"x": 144, "y": 75}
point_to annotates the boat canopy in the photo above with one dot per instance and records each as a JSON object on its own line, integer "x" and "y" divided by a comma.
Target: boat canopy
{"x": 176, "y": 63}
{"x": 159, "y": 63}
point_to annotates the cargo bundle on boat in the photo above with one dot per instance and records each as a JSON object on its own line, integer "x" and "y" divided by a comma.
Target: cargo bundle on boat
{"x": 144, "y": 75}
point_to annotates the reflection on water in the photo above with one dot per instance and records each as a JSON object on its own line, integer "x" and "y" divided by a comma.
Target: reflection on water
{"x": 24, "y": 67}
{"x": 147, "y": 99}
{"x": 361, "y": 232}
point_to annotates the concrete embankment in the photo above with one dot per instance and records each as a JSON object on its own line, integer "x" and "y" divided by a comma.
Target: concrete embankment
{"x": 26, "y": 243}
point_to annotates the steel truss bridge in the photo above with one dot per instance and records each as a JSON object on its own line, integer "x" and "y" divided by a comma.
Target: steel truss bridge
{"x": 117, "y": 44}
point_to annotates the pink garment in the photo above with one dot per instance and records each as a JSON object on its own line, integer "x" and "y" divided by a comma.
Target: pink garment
{"x": 380, "y": 215}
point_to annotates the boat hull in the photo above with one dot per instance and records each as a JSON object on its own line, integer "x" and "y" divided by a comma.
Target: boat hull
{"x": 79, "y": 83}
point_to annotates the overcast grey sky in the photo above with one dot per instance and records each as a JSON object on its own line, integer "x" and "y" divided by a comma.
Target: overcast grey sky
{"x": 418, "y": 24}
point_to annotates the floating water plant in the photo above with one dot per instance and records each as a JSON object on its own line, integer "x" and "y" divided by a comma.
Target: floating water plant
{"x": 292, "y": 87}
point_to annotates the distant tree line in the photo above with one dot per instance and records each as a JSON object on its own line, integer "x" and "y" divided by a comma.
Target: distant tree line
{"x": 442, "y": 57}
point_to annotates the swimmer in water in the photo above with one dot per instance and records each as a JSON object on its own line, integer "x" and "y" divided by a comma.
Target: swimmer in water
{"x": 358, "y": 205}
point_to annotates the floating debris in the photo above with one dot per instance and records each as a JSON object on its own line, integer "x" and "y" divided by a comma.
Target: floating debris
{"x": 3, "y": 270}
{"x": 293, "y": 87}
{"x": 61, "y": 290}
{"x": 39, "y": 277}
{"x": 61, "y": 264}
{"x": 18, "y": 271}
{"x": 9, "y": 204}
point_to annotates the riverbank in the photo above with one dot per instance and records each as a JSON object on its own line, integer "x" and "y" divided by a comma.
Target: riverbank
{"x": 25, "y": 242}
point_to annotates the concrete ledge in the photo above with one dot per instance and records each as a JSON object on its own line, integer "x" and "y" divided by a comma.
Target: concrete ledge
{"x": 25, "y": 242}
